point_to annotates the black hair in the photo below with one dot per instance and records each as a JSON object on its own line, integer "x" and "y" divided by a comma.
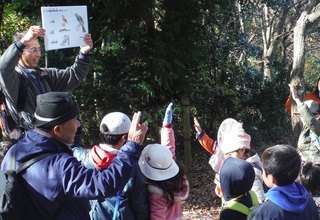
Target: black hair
{"x": 249, "y": 152}
{"x": 110, "y": 139}
{"x": 310, "y": 177}
{"x": 283, "y": 162}
{"x": 170, "y": 186}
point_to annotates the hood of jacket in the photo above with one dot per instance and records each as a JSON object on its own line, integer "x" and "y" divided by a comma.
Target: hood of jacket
{"x": 292, "y": 198}
{"x": 236, "y": 177}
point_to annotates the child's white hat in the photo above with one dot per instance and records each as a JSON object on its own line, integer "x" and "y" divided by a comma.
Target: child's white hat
{"x": 115, "y": 123}
{"x": 156, "y": 163}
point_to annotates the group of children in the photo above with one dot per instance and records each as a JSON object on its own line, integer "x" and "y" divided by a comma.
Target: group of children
{"x": 279, "y": 186}
{"x": 158, "y": 185}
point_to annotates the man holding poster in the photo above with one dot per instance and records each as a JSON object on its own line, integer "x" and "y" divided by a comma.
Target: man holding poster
{"x": 22, "y": 80}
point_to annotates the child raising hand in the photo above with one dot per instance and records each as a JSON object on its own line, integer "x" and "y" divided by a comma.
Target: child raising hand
{"x": 168, "y": 187}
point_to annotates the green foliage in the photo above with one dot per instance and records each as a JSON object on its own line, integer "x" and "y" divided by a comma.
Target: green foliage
{"x": 150, "y": 53}
{"x": 264, "y": 114}
{"x": 20, "y": 1}
{"x": 142, "y": 66}
{"x": 311, "y": 70}
{"x": 12, "y": 21}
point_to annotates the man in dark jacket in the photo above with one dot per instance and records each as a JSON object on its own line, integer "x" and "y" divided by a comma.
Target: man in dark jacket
{"x": 59, "y": 185}
{"x": 286, "y": 199}
{"x": 22, "y": 80}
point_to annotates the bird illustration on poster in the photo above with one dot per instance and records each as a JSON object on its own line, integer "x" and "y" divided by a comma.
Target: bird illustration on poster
{"x": 81, "y": 22}
{"x": 64, "y": 20}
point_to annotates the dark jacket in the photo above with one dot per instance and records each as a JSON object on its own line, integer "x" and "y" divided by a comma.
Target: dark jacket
{"x": 59, "y": 185}
{"x": 287, "y": 202}
{"x": 134, "y": 203}
{"x": 50, "y": 79}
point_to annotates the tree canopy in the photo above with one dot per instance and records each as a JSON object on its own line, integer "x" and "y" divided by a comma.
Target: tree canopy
{"x": 227, "y": 58}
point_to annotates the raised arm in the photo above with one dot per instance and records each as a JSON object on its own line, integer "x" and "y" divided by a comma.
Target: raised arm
{"x": 167, "y": 133}
{"x": 205, "y": 141}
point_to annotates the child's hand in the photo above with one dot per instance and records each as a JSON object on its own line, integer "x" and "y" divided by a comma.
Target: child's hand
{"x": 167, "y": 120}
{"x": 197, "y": 126}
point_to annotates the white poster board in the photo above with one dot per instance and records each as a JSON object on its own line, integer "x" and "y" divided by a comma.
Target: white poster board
{"x": 65, "y": 26}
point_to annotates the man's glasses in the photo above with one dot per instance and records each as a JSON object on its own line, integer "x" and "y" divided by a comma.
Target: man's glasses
{"x": 33, "y": 49}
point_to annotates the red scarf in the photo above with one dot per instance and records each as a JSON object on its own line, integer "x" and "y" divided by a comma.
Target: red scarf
{"x": 101, "y": 158}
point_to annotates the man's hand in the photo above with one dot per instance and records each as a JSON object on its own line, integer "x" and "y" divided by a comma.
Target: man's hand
{"x": 33, "y": 33}
{"x": 197, "y": 126}
{"x": 88, "y": 44}
{"x": 137, "y": 131}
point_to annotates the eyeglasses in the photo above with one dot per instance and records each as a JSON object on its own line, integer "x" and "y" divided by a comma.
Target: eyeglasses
{"x": 33, "y": 49}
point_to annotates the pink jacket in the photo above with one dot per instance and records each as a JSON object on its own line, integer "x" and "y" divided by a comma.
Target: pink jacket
{"x": 158, "y": 207}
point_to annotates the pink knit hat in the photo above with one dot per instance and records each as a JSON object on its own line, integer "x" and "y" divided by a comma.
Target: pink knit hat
{"x": 235, "y": 139}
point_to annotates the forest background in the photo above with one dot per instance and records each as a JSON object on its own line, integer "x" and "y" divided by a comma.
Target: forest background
{"x": 213, "y": 59}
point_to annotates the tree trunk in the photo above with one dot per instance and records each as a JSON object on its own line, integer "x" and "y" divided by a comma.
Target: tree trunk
{"x": 298, "y": 63}
{"x": 267, "y": 62}
{"x": 186, "y": 137}
{"x": 273, "y": 23}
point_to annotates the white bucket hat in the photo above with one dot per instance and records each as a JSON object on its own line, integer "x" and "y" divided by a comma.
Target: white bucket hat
{"x": 115, "y": 123}
{"x": 156, "y": 163}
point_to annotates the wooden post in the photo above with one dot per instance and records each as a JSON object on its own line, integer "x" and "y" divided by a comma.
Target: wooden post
{"x": 186, "y": 137}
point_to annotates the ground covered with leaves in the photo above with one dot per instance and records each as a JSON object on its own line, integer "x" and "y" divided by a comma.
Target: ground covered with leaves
{"x": 202, "y": 202}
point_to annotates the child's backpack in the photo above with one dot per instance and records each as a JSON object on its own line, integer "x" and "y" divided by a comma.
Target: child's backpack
{"x": 14, "y": 200}
{"x": 239, "y": 207}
